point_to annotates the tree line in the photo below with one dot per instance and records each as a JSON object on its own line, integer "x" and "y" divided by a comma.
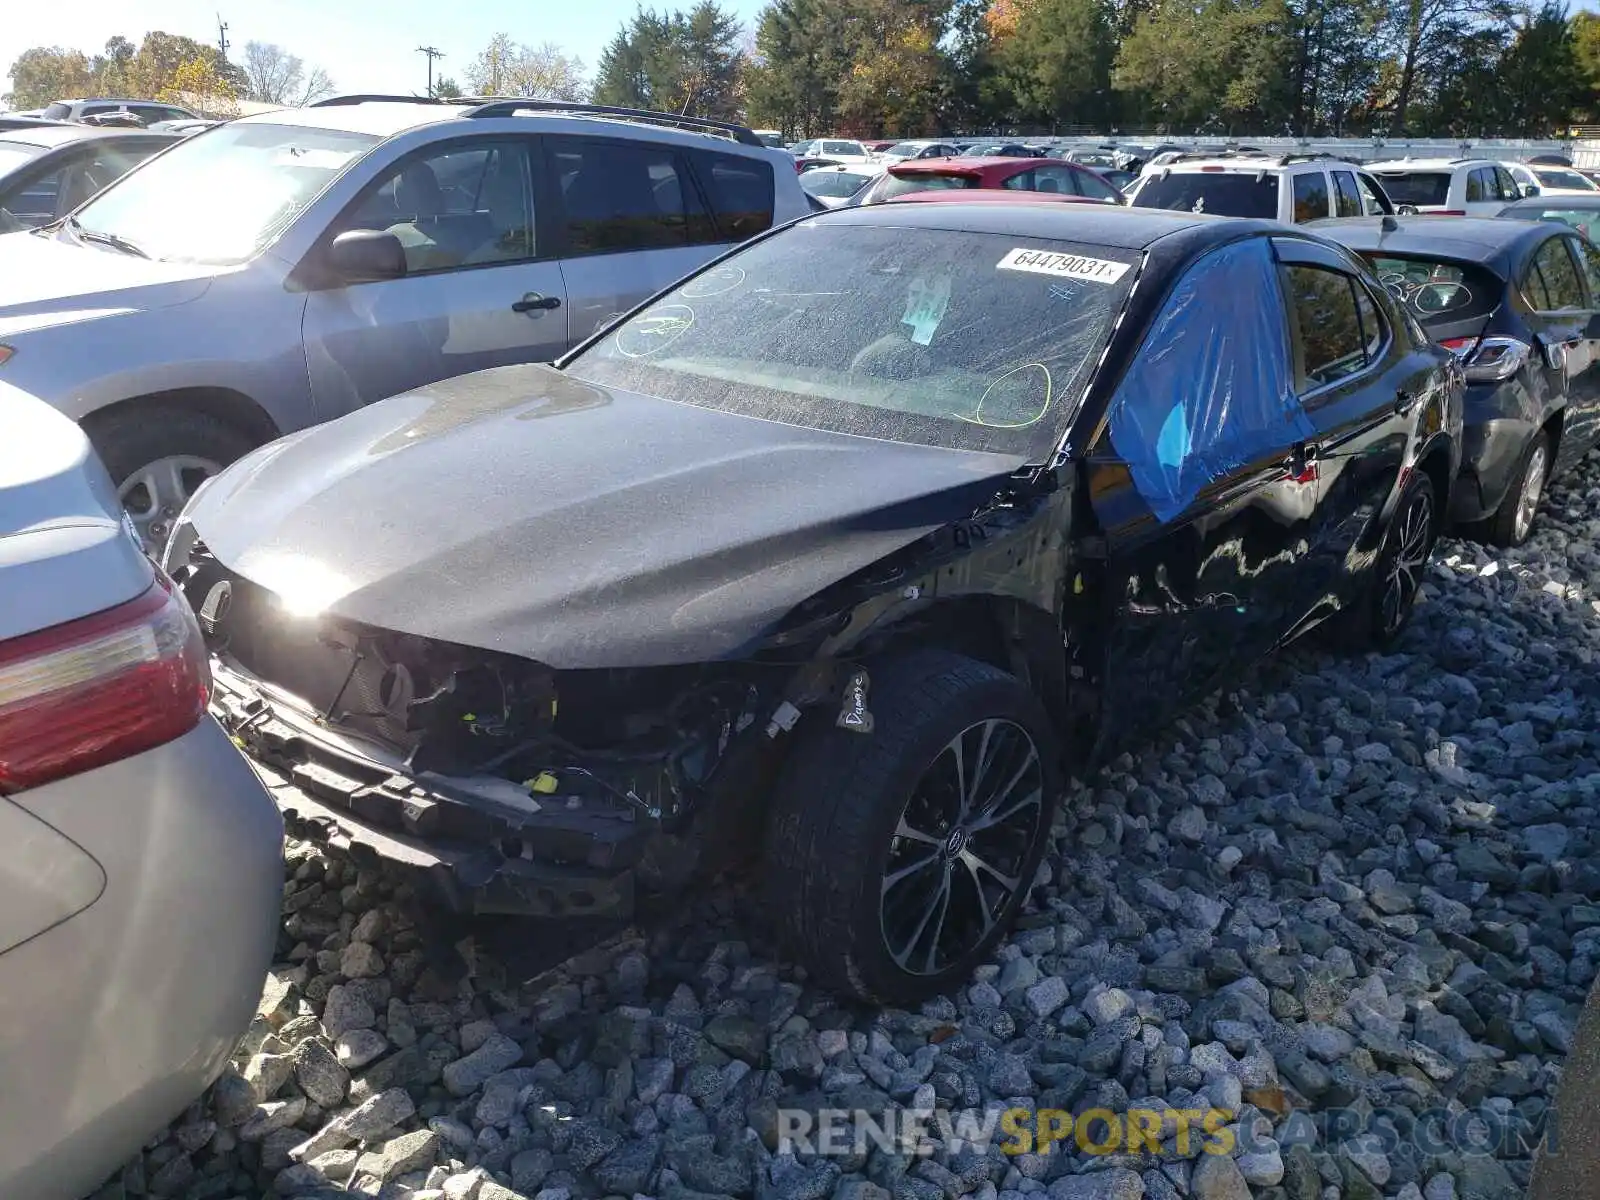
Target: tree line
{"x": 899, "y": 68}
{"x": 1341, "y": 68}
{"x": 166, "y": 66}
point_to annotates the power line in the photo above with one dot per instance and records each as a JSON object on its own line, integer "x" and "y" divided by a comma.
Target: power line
{"x": 432, "y": 52}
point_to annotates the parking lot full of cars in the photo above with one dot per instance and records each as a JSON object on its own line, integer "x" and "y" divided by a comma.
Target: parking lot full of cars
{"x": 553, "y": 506}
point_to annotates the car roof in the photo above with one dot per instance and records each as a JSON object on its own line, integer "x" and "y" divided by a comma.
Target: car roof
{"x": 960, "y": 162}
{"x": 1430, "y": 164}
{"x": 990, "y": 196}
{"x": 1569, "y": 201}
{"x": 50, "y": 136}
{"x": 1111, "y": 225}
{"x": 1486, "y": 240}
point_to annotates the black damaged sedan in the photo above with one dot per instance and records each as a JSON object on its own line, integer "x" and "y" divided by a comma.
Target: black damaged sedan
{"x": 839, "y": 556}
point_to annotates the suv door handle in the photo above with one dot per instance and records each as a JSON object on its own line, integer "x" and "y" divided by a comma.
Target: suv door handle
{"x": 534, "y": 302}
{"x": 1404, "y": 402}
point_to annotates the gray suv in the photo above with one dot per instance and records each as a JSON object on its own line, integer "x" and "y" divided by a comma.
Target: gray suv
{"x": 284, "y": 269}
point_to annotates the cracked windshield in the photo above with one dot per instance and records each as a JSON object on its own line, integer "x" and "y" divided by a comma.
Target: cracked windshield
{"x": 800, "y": 600}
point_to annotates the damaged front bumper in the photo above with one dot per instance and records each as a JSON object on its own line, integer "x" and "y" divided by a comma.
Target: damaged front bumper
{"x": 554, "y": 855}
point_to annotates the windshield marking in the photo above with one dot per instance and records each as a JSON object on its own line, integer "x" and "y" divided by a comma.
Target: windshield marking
{"x": 1072, "y": 266}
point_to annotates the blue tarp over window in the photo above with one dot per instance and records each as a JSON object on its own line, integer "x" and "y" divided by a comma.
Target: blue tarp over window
{"x": 1212, "y": 387}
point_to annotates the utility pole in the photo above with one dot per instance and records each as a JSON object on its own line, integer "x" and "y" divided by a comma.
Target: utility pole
{"x": 432, "y": 52}
{"x": 222, "y": 37}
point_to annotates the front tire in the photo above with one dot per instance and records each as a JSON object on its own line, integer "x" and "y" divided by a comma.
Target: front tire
{"x": 896, "y": 860}
{"x": 157, "y": 456}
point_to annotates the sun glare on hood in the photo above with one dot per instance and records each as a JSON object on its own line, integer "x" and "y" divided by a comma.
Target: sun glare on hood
{"x": 303, "y": 588}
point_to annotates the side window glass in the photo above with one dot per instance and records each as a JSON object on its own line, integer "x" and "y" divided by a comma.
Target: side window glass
{"x": 622, "y": 196}
{"x": 741, "y": 194}
{"x": 1563, "y": 289}
{"x": 1476, "y": 190}
{"x": 1347, "y": 203}
{"x": 1372, "y": 200}
{"x": 1054, "y": 179}
{"x": 1185, "y": 416}
{"x": 1091, "y": 185}
{"x": 1324, "y": 307}
{"x": 459, "y": 206}
{"x": 1310, "y": 196}
{"x": 1508, "y": 185}
{"x": 1372, "y": 327}
{"x": 1589, "y": 256}
{"x": 1022, "y": 181}
{"x": 45, "y": 199}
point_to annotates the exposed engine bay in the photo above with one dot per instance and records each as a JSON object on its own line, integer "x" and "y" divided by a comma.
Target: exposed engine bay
{"x": 483, "y": 758}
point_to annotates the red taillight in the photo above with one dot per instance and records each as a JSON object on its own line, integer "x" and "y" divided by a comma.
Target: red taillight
{"x": 1460, "y": 347}
{"x": 1213, "y": 168}
{"x": 1490, "y": 359}
{"x": 1447, "y": 212}
{"x": 99, "y": 689}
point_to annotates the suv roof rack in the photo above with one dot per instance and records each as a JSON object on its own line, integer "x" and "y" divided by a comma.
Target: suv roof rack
{"x": 378, "y": 98}
{"x": 510, "y": 108}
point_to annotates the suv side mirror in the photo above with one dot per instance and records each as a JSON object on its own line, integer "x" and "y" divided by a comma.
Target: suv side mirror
{"x": 366, "y": 256}
{"x": 1530, "y": 190}
{"x": 1406, "y": 210}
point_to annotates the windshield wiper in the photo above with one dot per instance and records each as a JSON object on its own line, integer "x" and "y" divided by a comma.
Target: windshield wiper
{"x": 101, "y": 237}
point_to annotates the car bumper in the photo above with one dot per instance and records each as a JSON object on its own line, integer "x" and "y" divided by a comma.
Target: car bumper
{"x": 1491, "y": 451}
{"x": 119, "y": 1017}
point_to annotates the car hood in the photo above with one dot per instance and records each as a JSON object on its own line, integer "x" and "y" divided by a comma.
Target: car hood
{"x": 46, "y": 280}
{"x": 524, "y": 511}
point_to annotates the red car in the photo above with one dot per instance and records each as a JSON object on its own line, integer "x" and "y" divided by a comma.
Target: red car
{"x": 964, "y": 195}
{"x": 1013, "y": 174}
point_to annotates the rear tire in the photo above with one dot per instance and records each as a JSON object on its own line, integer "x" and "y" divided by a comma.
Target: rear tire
{"x": 1512, "y": 523}
{"x": 1381, "y": 616}
{"x": 157, "y": 455}
{"x": 886, "y": 878}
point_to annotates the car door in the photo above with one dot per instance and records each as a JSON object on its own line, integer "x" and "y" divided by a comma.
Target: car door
{"x": 632, "y": 220}
{"x": 482, "y": 287}
{"x": 1575, "y": 332}
{"x": 1360, "y": 382}
{"x": 1483, "y": 193}
{"x": 1197, "y": 479}
{"x": 1311, "y": 201}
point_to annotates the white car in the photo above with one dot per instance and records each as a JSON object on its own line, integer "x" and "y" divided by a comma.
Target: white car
{"x": 1547, "y": 179}
{"x": 141, "y": 860}
{"x": 1293, "y": 188}
{"x": 841, "y": 150}
{"x": 833, "y": 186}
{"x": 918, "y": 148}
{"x": 1448, "y": 187}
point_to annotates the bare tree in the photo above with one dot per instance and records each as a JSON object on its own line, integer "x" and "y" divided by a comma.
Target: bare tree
{"x": 274, "y": 76}
{"x": 505, "y": 68}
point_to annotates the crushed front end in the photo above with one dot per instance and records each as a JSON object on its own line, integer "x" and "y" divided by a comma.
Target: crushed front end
{"x": 512, "y": 787}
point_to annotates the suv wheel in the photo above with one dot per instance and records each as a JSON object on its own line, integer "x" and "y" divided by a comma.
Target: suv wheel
{"x": 157, "y": 457}
{"x": 1381, "y": 617}
{"x": 896, "y": 860}
{"x": 1512, "y": 522}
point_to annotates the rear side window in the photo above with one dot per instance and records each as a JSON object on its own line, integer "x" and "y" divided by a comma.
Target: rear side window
{"x": 1310, "y": 196}
{"x": 1091, "y": 185}
{"x": 1331, "y": 343}
{"x": 1186, "y": 416}
{"x": 58, "y": 111}
{"x": 625, "y": 196}
{"x": 1553, "y": 283}
{"x": 1481, "y": 186}
{"x": 1224, "y": 193}
{"x": 740, "y": 190}
{"x": 921, "y": 181}
{"x": 1347, "y": 201}
{"x": 1435, "y": 291}
{"x": 1422, "y": 188}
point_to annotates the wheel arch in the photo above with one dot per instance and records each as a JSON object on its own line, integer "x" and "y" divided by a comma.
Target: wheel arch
{"x": 231, "y": 407}
{"x": 1013, "y": 635}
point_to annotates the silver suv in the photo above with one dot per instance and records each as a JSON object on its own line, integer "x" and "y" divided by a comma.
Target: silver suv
{"x": 284, "y": 269}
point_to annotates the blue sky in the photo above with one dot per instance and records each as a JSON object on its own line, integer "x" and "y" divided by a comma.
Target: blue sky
{"x": 366, "y": 45}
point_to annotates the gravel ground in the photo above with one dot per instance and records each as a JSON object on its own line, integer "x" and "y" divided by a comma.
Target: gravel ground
{"x": 1346, "y": 894}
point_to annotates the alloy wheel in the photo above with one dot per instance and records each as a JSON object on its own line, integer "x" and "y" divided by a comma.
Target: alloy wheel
{"x": 1413, "y": 534}
{"x": 1533, "y": 481}
{"x": 961, "y": 846}
{"x": 155, "y": 494}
